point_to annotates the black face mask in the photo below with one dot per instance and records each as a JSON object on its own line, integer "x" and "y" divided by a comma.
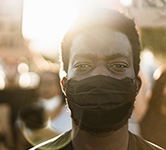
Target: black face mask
{"x": 101, "y": 103}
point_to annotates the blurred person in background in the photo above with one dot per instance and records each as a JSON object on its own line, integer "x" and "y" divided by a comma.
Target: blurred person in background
{"x": 50, "y": 96}
{"x": 11, "y": 73}
{"x": 52, "y": 100}
{"x": 47, "y": 117}
{"x": 141, "y": 104}
{"x": 153, "y": 124}
{"x": 6, "y": 138}
{"x": 13, "y": 97}
{"x": 30, "y": 121}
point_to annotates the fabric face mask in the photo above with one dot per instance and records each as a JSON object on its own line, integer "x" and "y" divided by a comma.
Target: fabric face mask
{"x": 101, "y": 103}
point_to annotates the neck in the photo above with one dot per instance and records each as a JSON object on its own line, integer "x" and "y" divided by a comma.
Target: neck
{"x": 108, "y": 141}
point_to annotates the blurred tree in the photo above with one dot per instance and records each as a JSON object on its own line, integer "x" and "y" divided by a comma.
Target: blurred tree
{"x": 154, "y": 39}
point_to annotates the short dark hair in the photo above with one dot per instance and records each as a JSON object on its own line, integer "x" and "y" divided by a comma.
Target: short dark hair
{"x": 102, "y": 18}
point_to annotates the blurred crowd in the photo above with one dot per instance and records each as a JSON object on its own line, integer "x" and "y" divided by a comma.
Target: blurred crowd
{"x": 29, "y": 111}
{"x": 149, "y": 117}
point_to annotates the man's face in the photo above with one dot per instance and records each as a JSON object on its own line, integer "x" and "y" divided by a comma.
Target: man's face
{"x": 101, "y": 52}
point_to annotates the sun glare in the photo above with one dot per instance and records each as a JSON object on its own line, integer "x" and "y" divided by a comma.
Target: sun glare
{"x": 46, "y": 21}
{"x": 126, "y": 2}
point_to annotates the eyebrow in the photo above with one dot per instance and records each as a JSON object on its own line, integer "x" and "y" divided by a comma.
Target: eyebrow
{"x": 117, "y": 55}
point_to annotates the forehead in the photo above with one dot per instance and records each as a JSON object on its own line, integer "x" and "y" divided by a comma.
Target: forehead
{"x": 101, "y": 42}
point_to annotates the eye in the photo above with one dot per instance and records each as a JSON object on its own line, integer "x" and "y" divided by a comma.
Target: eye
{"x": 82, "y": 66}
{"x": 120, "y": 67}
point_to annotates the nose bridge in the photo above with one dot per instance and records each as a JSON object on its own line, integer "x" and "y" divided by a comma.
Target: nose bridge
{"x": 100, "y": 69}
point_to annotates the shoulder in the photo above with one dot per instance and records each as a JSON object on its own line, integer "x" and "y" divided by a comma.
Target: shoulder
{"x": 138, "y": 143}
{"x": 56, "y": 143}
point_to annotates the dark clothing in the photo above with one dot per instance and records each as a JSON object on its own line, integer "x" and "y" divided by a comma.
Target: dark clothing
{"x": 135, "y": 143}
{"x": 15, "y": 99}
{"x": 156, "y": 122}
{"x": 153, "y": 124}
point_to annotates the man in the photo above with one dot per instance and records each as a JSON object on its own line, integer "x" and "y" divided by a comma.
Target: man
{"x": 50, "y": 95}
{"x": 100, "y": 53}
{"x": 52, "y": 100}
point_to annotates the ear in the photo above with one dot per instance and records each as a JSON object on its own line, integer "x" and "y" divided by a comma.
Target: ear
{"x": 138, "y": 83}
{"x": 64, "y": 84}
